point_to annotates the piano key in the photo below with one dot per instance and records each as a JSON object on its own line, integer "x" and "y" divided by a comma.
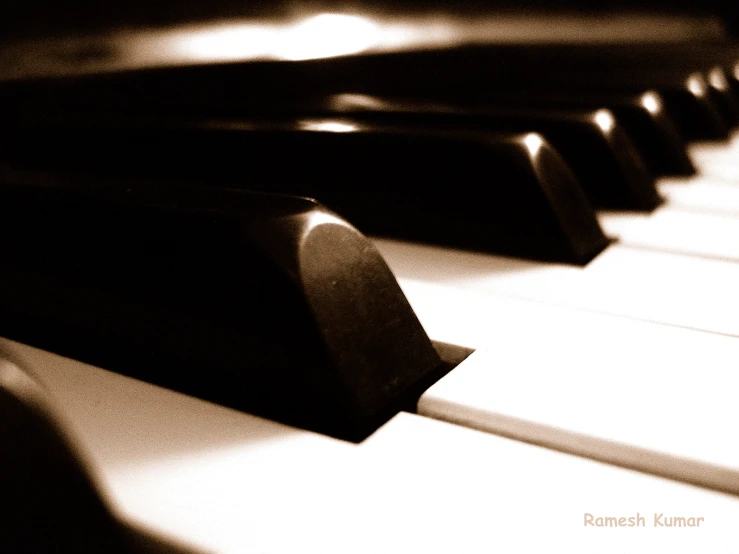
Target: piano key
{"x": 716, "y": 59}
{"x": 717, "y": 159}
{"x": 54, "y": 507}
{"x": 701, "y": 193}
{"x": 659, "y": 141}
{"x": 230, "y": 482}
{"x": 676, "y": 230}
{"x": 164, "y": 281}
{"x": 472, "y": 75}
{"x": 595, "y": 147}
{"x": 650, "y": 59}
{"x": 642, "y": 116}
{"x": 461, "y": 76}
{"x": 512, "y": 193}
{"x": 590, "y": 386}
{"x": 665, "y": 229}
{"x": 661, "y": 287}
{"x": 182, "y": 149}
{"x": 724, "y": 53}
{"x": 215, "y": 153}
{"x": 688, "y": 98}
{"x": 660, "y": 145}
{"x": 708, "y": 239}
{"x": 725, "y": 98}
{"x": 593, "y": 143}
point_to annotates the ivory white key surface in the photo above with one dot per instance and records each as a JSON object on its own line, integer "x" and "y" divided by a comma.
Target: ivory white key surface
{"x": 224, "y": 481}
{"x": 697, "y": 293}
{"x": 674, "y": 230}
{"x": 701, "y": 193}
{"x": 715, "y": 188}
{"x": 651, "y": 397}
{"x": 717, "y": 159}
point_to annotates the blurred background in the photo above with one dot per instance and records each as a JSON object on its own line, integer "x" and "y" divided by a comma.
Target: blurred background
{"x": 39, "y": 18}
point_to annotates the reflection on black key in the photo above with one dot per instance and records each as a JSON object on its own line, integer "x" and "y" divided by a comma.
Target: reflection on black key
{"x": 601, "y": 155}
{"x": 643, "y": 116}
{"x": 268, "y": 304}
{"x": 505, "y": 194}
{"x": 723, "y": 95}
{"x": 464, "y": 76}
{"x": 714, "y": 60}
{"x": 50, "y": 502}
{"x": 688, "y": 98}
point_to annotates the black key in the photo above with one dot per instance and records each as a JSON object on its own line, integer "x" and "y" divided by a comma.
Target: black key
{"x": 267, "y": 304}
{"x": 465, "y": 76}
{"x": 506, "y": 194}
{"x": 724, "y": 96}
{"x": 642, "y": 116}
{"x": 725, "y": 54}
{"x": 716, "y": 60}
{"x": 687, "y": 96}
{"x": 50, "y": 501}
{"x": 601, "y": 155}
{"x": 613, "y": 67}
{"x": 700, "y": 110}
{"x": 654, "y": 133}
{"x": 469, "y": 76}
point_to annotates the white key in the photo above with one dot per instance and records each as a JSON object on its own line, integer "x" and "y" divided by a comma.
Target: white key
{"x": 700, "y": 194}
{"x": 673, "y": 230}
{"x": 229, "y": 482}
{"x": 717, "y": 159}
{"x": 650, "y": 397}
{"x": 676, "y": 227}
{"x": 641, "y": 284}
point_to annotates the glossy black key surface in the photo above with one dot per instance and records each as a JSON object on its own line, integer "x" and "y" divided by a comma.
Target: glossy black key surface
{"x": 50, "y": 502}
{"x": 716, "y": 60}
{"x": 463, "y": 76}
{"x": 604, "y": 160}
{"x": 699, "y": 110}
{"x": 687, "y": 95}
{"x": 268, "y": 304}
{"x": 508, "y": 194}
{"x": 643, "y": 116}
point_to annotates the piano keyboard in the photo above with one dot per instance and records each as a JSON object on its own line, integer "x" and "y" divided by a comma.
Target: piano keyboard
{"x": 599, "y": 393}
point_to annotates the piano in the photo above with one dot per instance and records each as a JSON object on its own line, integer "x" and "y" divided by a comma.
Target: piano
{"x": 193, "y": 359}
